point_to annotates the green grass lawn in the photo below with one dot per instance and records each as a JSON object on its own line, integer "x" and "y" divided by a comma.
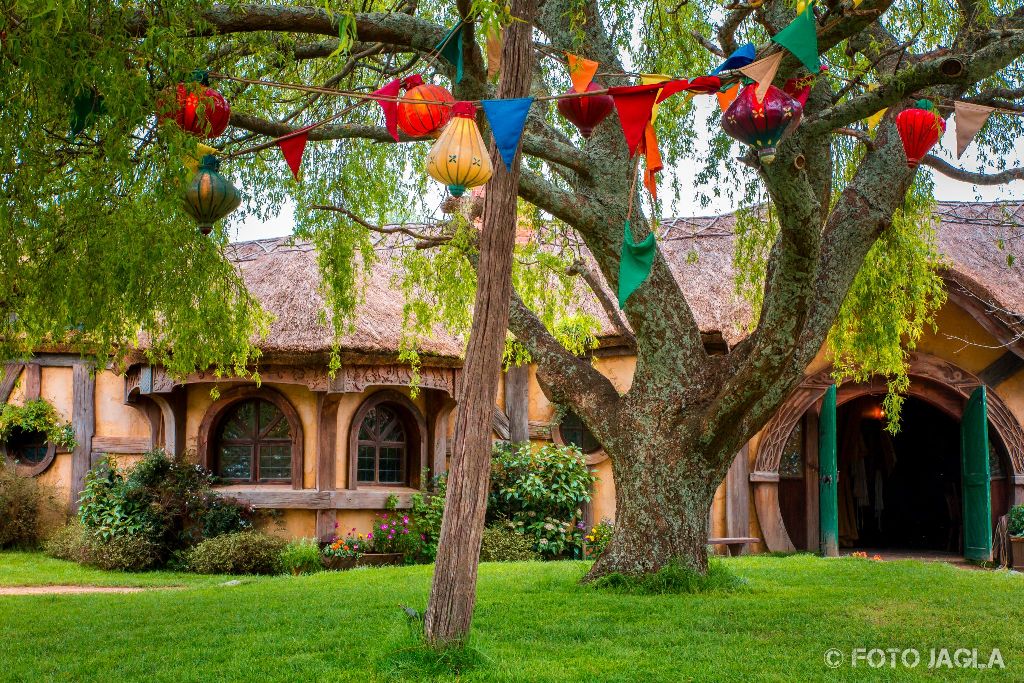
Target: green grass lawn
{"x": 534, "y": 622}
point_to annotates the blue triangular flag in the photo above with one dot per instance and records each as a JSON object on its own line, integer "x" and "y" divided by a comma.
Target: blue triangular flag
{"x": 450, "y": 48}
{"x": 741, "y": 57}
{"x": 507, "y": 118}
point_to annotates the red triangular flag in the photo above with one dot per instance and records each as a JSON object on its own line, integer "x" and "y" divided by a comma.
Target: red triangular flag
{"x": 634, "y": 104}
{"x": 390, "y": 107}
{"x": 581, "y": 71}
{"x": 292, "y": 148}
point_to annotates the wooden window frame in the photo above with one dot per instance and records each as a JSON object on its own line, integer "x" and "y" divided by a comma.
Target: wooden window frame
{"x": 29, "y": 469}
{"x": 416, "y": 438}
{"x": 556, "y": 435}
{"x": 207, "y": 441}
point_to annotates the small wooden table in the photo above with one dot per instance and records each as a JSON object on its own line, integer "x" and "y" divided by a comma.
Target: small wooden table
{"x": 735, "y": 545}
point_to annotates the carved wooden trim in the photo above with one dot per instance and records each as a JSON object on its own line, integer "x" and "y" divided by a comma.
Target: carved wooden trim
{"x": 416, "y": 428}
{"x": 211, "y": 419}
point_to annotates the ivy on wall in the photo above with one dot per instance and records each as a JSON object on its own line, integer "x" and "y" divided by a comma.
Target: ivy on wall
{"x": 37, "y": 415}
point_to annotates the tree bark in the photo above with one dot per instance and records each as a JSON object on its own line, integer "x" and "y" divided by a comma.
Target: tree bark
{"x": 453, "y": 592}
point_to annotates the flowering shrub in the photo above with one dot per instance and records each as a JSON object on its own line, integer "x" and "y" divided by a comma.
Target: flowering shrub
{"x": 552, "y": 537}
{"x": 598, "y": 539}
{"x": 427, "y": 513}
{"x": 352, "y": 546}
{"x": 394, "y": 532}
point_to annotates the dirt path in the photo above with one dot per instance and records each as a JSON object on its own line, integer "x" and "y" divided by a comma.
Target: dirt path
{"x": 69, "y": 590}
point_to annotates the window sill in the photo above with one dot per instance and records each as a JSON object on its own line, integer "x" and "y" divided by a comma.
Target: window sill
{"x": 280, "y": 497}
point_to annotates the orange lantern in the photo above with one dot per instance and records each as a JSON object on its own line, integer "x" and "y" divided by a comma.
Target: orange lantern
{"x": 459, "y": 158}
{"x": 418, "y": 119}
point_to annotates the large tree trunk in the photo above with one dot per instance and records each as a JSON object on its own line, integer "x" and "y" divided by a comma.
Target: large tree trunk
{"x": 453, "y": 592}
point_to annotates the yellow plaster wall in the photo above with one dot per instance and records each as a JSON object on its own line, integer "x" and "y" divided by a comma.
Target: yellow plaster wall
{"x": 113, "y": 416}
{"x": 291, "y": 524}
{"x": 55, "y": 387}
{"x": 602, "y": 505}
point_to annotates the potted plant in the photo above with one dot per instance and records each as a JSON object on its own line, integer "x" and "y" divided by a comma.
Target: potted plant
{"x": 1016, "y": 531}
{"x": 344, "y": 553}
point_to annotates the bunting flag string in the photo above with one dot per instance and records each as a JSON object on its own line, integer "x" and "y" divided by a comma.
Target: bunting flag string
{"x": 652, "y": 79}
{"x": 390, "y": 107}
{"x": 634, "y": 104}
{"x": 653, "y": 160}
{"x": 507, "y": 118}
{"x": 581, "y": 71}
{"x": 740, "y": 57}
{"x": 970, "y": 118}
{"x": 293, "y": 147}
{"x": 726, "y": 97}
{"x": 763, "y": 73}
{"x": 635, "y": 263}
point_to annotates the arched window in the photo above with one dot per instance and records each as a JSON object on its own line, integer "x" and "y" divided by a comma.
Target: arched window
{"x": 383, "y": 452}
{"x": 253, "y": 443}
{"x": 572, "y": 432}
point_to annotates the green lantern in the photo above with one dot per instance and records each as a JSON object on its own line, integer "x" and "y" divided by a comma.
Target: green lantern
{"x": 210, "y": 196}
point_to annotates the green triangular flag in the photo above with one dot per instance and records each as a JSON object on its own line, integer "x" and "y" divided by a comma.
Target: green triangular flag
{"x": 450, "y": 48}
{"x": 635, "y": 264}
{"x": 801, "y": 38}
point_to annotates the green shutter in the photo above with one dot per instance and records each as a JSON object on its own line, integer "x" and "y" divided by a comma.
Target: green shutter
{"x": 828, "y": 484}
{"x": 977, "y": 492}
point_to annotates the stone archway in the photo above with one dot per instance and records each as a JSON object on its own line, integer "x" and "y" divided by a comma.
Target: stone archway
{"x": 941, "y": 383}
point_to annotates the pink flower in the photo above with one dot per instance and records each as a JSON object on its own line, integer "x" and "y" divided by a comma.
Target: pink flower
{"x": 369, "y": 535}
{"x": 384, "y": 527}
{"x": 423, "y": 537}
{"x": 405, "y": 520}
{"x": 405, "y": 531}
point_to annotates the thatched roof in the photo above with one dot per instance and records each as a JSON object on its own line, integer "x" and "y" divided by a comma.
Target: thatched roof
{"x": 284, "y": 276}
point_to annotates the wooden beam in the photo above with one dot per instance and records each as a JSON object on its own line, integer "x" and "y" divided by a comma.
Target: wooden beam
{"x": 310, "y": 499}
{"x": 517, "y": 403}
{"x": 12, "y": 371}
{"x": 737, "y": 495}
{"x": 1001, "y": 369}
{"x": 83, "y": 421}
{"x": 327, "y": 442}
{"x": 499, "y": 423}
{"x": 121, "y": 444}
{"x": 325, "y": 521}
{"x": 33, "y": 381}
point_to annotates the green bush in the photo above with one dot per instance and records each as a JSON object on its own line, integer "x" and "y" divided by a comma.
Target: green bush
{"x": 541, "y": 492}
{"x": 427, "y": 513}
{"x": 674, "y": 577}
{"x": 167, "y": 501}
{"x": 1016, "y": 521}
{"x": 246, "y": 552}
{"x": 75, "y": 543}
{"x": 502, "y": 543}
{"x": 27, "y": 509}
{"x": 302, "y": 556}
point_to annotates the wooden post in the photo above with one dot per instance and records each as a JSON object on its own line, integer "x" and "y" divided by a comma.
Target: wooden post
{"x": 83, "y": 421}
{"x": 737, "y": 492}
{"x": 33, "y": 381}
{"x": 811, "y": 476}
{"x": 11, "y": 373}
{"x": 828, "y": 491}
{"x": 517, "y": 387}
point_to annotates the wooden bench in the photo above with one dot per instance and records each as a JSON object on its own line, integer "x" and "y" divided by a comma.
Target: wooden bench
{"x": 735, "y": 545}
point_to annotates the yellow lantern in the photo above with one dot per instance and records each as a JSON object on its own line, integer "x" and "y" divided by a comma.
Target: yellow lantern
{"x": 458, "y": 158}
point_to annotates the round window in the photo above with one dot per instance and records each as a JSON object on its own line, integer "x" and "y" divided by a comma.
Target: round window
{"x": 574, "y": 433}
{"x": 27, "y": 447}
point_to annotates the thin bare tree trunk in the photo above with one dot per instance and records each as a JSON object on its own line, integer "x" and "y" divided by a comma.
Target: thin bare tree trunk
{"x": 453, "y": 592}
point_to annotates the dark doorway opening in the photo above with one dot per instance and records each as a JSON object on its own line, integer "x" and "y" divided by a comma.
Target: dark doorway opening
{"x": 903, "y": 490}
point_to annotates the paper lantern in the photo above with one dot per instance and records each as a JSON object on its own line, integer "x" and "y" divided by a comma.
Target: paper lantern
{"x": 418, "y": 119}
{"x": 210, "y": 196}
{"x": 458, "y": 158}
{"x": 586, "y": 112}
{"x": 762, "y": 125}
{"x": 920, "y": 127}
{"x": 196, "y": 108}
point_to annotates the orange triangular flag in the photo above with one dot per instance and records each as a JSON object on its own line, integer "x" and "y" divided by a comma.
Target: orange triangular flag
{"x": 493, "y": 53}
{"x": 653, "y": 158}
{"x": 292, "y": 148}
{"x": 969, "y": 120}
{"x": 581, "y": 71}
{"x": 726, "y": 98}
{"x": 763, "y": 71}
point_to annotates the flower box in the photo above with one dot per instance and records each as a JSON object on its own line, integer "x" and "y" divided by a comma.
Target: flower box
{"x": 1017, "y": 554}
{"x": 367, "y": 560}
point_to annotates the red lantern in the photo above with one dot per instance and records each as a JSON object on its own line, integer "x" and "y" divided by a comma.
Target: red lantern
{"x": 418, "y": 119}
{"x": 586, "y": 112}
{"x": 920, "y": 127}
{"x": 762, "y": 125}
{"x": 195, "y": 107}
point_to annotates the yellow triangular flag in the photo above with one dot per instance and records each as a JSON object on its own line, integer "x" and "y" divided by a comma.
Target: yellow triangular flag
{"x": 875, "y": 118}
{"x": 493, "y": 53}
{"x": 726, "y": 98}
{"x": 763, "y": 71}
{"x": 191, "y": 161}
{"x": 647, "y": 79}
{"x": 581, "y": 71}
{"x": 969, "y": 120}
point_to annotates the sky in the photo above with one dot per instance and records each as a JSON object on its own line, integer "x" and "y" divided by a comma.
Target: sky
{"x": 946, "y": 189}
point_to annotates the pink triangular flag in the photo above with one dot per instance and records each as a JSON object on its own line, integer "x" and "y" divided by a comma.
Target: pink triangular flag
{"x": 763, "y": 71}
{"x": 390, "y": 107}
{"x": 292, "y": 147}
{"x": 969, "y": 120}
{"x": 634, "y": 104}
